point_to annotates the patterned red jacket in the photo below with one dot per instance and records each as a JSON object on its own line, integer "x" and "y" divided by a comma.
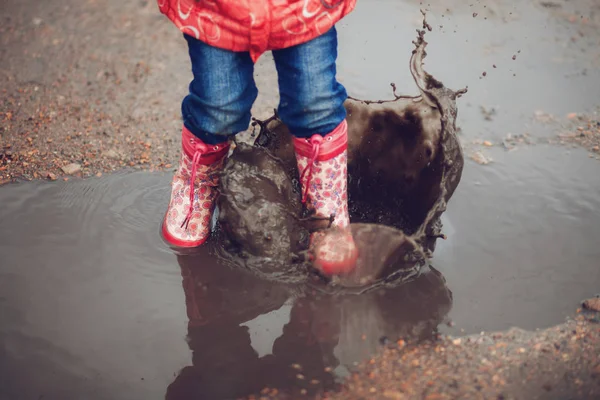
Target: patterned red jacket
{"x": 255, "y": 25}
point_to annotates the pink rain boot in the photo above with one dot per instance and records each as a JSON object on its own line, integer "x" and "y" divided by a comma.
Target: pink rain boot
{"x": 322, "y": 162}
{"x": 193, "y": 192}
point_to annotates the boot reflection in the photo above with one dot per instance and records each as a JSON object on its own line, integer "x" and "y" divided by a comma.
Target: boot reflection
{"x": 319, "y": 334}
{"x": 219, "y": 299}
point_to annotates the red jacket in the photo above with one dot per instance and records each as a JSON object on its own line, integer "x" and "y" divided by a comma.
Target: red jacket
{"x": 255, "y": 25}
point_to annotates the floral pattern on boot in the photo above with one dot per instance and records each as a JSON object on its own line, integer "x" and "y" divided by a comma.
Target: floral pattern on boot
{"x": 325, "y": 189}
{"x": 327, "y": 192}
{"x": 196, "y": 229}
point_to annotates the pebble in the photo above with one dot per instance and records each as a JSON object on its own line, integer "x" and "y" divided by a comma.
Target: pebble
{"x": 112, "y": 154}
{"x": 71, "y": 169}
{"x": 479, "y": 158}
{"x": 592, "y": 304}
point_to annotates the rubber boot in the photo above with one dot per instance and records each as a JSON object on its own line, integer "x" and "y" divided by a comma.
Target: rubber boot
{"x": 323, "y": 165}
{"x": 193, "y": 192}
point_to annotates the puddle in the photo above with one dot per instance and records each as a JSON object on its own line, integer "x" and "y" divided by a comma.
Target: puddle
{"x": 92, "y": 300}
{"x": 522, "y": 239}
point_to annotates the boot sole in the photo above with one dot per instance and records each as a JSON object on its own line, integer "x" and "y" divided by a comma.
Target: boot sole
{"x": 178, "y": 243}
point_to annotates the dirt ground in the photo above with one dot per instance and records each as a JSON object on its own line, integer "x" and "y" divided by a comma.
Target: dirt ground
{"x": 83, "y": 93}
{"x": 78, "y": 99}
{"x": 557, "y": 363}
{"x": 76, "y": 102}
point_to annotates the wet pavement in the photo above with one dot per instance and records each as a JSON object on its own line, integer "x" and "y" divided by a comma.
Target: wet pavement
{"x": 91, "y": 301}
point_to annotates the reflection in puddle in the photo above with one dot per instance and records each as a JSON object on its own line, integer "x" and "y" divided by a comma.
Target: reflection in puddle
{"x": 246, "y": 333}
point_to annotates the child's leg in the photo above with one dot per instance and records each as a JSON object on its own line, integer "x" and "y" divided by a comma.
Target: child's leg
{"x": 312, "y": 106}
{"x": 311, "y": 98}
{"x": 218, "y": 106}
{"x": 220, "y": 95}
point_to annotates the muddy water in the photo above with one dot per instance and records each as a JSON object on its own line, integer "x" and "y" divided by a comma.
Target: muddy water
{"x": 522, "y": 244}
{"x": 93, "y": 302}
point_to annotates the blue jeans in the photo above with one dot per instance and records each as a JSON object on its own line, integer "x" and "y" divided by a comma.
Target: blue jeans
{"x": 223, "y": 89}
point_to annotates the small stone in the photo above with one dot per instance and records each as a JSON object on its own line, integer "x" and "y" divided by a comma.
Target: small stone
{"x": 479, "y": 158}
{"x": 71, "y": 169}
{"x": 592, "y": 304}
{"x": 112, "y": 154}
{"x": 488, "y": 143}
{"x": 456, "y": 342}
{"x": 392, "y": 394}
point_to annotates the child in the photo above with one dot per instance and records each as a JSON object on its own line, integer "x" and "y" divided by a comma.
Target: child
{"x": 225, "y": 38}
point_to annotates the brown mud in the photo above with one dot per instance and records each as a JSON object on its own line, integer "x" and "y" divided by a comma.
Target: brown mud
{"x": 260, "y": 214}
{"x": 405, "y": 150}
